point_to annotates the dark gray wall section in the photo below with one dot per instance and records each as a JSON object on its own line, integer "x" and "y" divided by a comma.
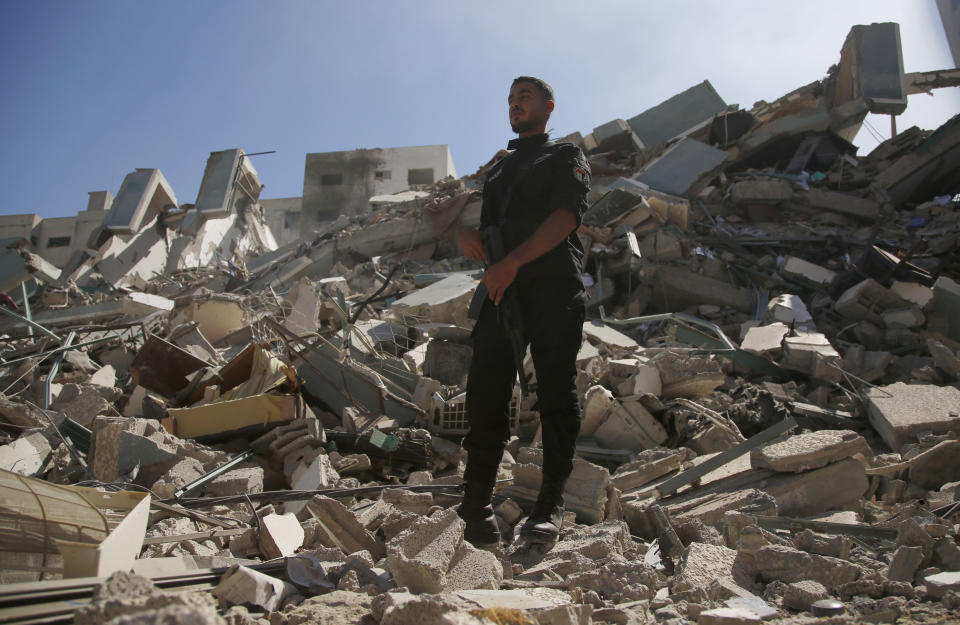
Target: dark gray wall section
{"x": 681, "y": 112}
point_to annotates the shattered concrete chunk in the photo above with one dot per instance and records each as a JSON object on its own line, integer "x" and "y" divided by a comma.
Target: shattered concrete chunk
{"x": 420, "y": 556}
{"x": 776, "y": 562}
{"x": 899, "y": 411}
{"x": 244, "y": 586}
{"x": 810, "y": 450}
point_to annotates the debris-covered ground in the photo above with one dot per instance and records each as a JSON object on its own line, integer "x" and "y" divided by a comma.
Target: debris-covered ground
{"x": 770, "y": 379}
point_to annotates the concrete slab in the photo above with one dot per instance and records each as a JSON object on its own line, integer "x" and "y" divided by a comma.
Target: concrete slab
{"x": 809, "y": 450}
{"x": 339, "y": 527}
{"x": 677, "y": 114}
{"x": 871, "y": 68}
{"x": 765, "y": 340}
{"x": 805, "y": 271}
{"x": 776, "y": 562}
{"x": 229, "y": 179}
{"x": 446, "y": 300}
{"x": 602, "y": 333}
{"x": 941, "y": 583}
{"x": 899, "y": 411}
{"x": 680, "y": 166}
{"x": 280, "y": 535}
{"x": 142, "y": 195}
{"x": 26, "y": 455}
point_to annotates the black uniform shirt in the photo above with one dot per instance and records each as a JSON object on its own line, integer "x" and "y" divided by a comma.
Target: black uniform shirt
{"x": 525, "y": 188}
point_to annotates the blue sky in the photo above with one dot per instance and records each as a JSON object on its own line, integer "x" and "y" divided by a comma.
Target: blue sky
{"x": 95, "y": 89}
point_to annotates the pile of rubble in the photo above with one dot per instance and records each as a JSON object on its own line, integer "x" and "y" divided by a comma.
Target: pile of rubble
{"x": 770, "y": 379}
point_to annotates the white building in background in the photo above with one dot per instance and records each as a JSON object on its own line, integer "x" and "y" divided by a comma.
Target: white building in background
{"x": 341, "y": 183}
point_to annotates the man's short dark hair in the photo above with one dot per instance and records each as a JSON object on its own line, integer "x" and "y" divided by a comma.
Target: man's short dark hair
{"x": 544, "y": 88}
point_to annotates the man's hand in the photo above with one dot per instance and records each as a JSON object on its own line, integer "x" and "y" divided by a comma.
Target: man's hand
{"x": 471, "y": 243}
{"x": 499, "y": 276}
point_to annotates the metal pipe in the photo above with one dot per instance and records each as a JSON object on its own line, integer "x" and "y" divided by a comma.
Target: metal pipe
{"x": 55, "y": 368}
{"x": 26, "y": 305}
{"x": 29, "y": 322}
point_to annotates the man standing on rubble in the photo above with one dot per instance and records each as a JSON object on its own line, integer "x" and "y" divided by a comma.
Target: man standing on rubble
{"x": 536, "y": 195}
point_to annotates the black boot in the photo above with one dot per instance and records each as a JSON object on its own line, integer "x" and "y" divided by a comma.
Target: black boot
{"x": 546, "y": 519}
{"x": 477, "y": 512}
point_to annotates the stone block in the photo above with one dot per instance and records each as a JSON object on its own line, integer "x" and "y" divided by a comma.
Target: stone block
{"x": 899, "y": 411}
{"x": 420, "y": 556}
{"x": 809, "y": 450}
{"x": 912, "y": 292}
{"x": 904, "y": 564}
{"x": 628, "y": 425}
{"x": 945, "y": 308}
{"x": 859, "y": 208}
{"x": 83, "y": 403}
{"x": 776, "y": 562}
{"x": 946, "y": 554}
{"x": 808, "y": 352}
{"x": 801, "y": 595}
{"x": 339, "y": 527}
{"x": 318, "y": 475}
{"x": 944, "y": 358}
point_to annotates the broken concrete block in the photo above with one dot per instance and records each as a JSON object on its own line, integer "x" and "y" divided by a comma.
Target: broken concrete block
{"x": 105, "y": 446}
{"x": 936, "y": 466}
{"x": 765, "y": 340}
{"x": 304, "y": 302}
{"x": 776, "y": 562}
{"x": 420, "y": 556}
{"x": 904, "y": 564}
{"x": 688, "y": 376}
{"x": 702, "y": 563}
{"x": 245, "y": 586}
{"x": 648, "y": 466}
{"x": 811, "y": 353}
{"x": 216, "y": 314}
{"x": 805, "y": 271}
{"x": 447, "y": 362}
{"x": 588, "y": 490}
{"x": 837, "y": 546}
{"x": 944, "y": 358}
{"x": 899, "y": 411}
{"x": 912, "y": 292}
{"x": 82, "y": 403}
{"x": 810, "y": 450}
{"x": 645, "y": 380}
{"x": 823, "y": 200}
{"x": 801, "y": 595}
{"x": 867, "y": 301}
{"x": 678, "y": 287}
{"x": 339, "y": 527}
{"x": 907, "y": 317}
{"x": 945, "y": 308}
{"x": 242, "y": 481}
{"x": 941, "y": 583}
{"x": 790, "y": 310}
{"x": 443, "y": 301}
{"x": 598, "y": 332}
{"x": 27, "y": 455}
{"x": 728, "y": 616}
{"x": 680, "y": 166}
{"x": 280, "y": 535}
{"x": 408, "y": 501}
{"x": 947, "y": 554}
{"x": 143, "y": 194}
{"x": 473, "y": 568}
{"x": 628, "y": 425}
{"x": 803, "y": 494}
{"x": 760, "y": 191}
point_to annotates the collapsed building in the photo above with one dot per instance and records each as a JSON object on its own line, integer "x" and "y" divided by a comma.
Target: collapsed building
{"x": 199, "y": 425}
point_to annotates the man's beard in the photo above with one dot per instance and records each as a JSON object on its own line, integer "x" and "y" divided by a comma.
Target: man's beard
{"x": 520, "y": 127}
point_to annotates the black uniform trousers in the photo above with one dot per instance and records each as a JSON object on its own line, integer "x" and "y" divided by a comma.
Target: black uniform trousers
{"x": 553, "y": 313}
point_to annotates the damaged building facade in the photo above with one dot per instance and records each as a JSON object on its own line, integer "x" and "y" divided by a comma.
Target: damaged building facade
{"x": 203, "y": 421}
